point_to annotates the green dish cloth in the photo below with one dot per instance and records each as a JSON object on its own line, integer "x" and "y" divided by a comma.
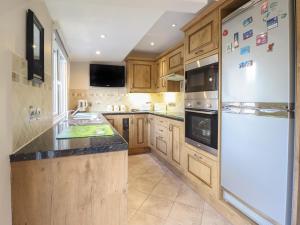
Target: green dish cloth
{"x": 86, "y": 131}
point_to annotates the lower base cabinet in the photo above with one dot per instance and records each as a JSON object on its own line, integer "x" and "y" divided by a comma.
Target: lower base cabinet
{"x": 134, "y": 129}
{"x": 176, "y": 143}
{"x": 201, "y": 170}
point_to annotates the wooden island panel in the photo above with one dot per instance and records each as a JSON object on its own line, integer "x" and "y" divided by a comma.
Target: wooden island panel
{"x": 75, "y": 190}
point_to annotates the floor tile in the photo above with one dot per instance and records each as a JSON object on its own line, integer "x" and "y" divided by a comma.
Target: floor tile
{"x": 157, "y": 207}
{"x": 130, "y": 213}
{"x": 187, "y": 196}
{"x": 212, "y": 217}
{"x": 166, "y": 190}
{"x": 144, "y": 185}
{"x": 145, "y": 219}
{"x": 136, "y": 198}
{"x": 186, "y": 214}
{"x": 170, "y": 221}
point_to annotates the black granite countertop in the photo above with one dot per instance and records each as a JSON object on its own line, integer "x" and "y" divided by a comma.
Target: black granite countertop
{"x": 169, "y": 115}
{"x": 47, "y": 146}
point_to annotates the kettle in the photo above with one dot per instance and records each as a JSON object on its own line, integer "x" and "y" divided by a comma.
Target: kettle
{"x": 82, "y": 105}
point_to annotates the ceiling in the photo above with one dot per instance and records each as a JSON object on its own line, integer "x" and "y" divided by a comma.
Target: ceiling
{"x": 127, "y": 25}
{"x": 162, "y": 34}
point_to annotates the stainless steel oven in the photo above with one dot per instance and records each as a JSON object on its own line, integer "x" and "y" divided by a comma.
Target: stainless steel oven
{"x": 202, "y": 75}
{"x": 201, "y": 129}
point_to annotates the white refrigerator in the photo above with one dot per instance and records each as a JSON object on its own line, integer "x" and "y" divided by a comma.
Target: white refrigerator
{"x": 257, "y": 128}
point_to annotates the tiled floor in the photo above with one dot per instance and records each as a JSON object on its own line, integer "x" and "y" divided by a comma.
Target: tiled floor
{"x": 156, "y": 196}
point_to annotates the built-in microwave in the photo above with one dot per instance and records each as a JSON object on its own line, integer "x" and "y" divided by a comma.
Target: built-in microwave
{"x": 202, "y": 75}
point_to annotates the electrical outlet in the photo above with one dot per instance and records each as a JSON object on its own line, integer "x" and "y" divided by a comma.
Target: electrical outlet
{"x": 31, "y": 113}
{"x": 38, "y": 114}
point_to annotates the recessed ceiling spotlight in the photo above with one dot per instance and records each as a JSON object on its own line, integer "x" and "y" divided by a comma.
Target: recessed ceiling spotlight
{"x": 152, "y": 43}
{"x": 103, "y": 36}
{"x": 174, "y": 25}
{"x": 98, "y": 52}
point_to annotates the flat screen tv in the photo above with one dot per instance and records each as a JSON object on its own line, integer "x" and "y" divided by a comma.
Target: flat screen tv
{"x": 107, "y": 75}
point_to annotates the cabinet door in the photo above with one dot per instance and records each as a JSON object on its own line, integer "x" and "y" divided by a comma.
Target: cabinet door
{"x": 202, "y": 170}
{"x": 115, "y": 121}
{"x": 175, "y": 142}
{"x": 163, "y": 67}
{"x": 175, "y": 60}
{"x": 139, "y": 134}
{"x": 141, "y": 75}
{"x": 202, "y": 37}
{"x": 151, "y": 131}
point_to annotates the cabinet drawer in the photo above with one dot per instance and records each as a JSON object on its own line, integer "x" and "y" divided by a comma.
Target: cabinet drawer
{"x": 161, "y": 130}
{"x": 202, "y": 170}
{"x": 162, "y": 122}
{"x": 161, "y": 144}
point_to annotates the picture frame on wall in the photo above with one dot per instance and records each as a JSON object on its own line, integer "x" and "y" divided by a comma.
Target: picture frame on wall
{"x": 34, "y": 47}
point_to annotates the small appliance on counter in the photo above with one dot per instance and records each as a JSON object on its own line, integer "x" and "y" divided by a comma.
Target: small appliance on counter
{"x": 123, "y": 108}
{"x": 160, "y": 107}
{"x": 116, "y": 108}
{"x": 82, "y": 105}
{"x": 109, "y": 108}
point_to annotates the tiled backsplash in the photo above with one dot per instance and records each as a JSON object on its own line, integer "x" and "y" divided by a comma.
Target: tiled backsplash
{"x": 25, "y": 94}
{"x": 100, "y": 98}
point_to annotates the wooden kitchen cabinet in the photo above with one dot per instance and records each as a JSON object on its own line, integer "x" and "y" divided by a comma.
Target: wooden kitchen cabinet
{"x": 141, "y": 76}
{"x": 203, "y": 36}
{"x": 151, "y": 131}
{"x": 138, "y": 133}
{"x": 175, "y": 60}
{"x": 116, "y": 122}
{"x": 201, "y": 170}
{"x": 172, "y": 62}
{"x": 176, "y": 143}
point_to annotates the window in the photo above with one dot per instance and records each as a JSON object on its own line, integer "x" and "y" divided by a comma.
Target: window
{"x": 60, "y": 74}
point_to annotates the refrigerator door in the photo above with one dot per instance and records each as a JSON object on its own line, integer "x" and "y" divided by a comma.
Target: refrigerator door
{"x": 268, "y": 78}
{"x": 256, "y": 164}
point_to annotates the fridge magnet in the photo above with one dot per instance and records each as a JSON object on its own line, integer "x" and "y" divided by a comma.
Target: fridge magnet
{"x": 245, "y": 50}
{"x": 236, "y": 40}
{"x": 283, "y": 15}
{"x": 273, "y": 6}
{"x": 245, "y": 64}
{"x": 247, "y": 34}
{"x": 247, "y": 21}
{"x": 270, "y": 47}
{"x": 225, "y": 32}
{"x": 261, "y": 39}
{"x": 272, "y": 23}
{"x": 264, "y": 7}
{"x": 266, "y": 16}
{"x": 229, "y": 48}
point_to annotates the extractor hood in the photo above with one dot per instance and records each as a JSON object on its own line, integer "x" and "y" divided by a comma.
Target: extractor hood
{"x": 174, "y": 77}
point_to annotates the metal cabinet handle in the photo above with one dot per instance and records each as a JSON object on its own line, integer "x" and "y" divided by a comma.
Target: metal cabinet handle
{"x": 199, "y": 51}
{"x": 197, "y": 156}
{"x": 170, "y": 127}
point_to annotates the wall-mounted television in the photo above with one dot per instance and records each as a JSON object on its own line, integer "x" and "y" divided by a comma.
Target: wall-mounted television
{"x": 107, "y": 75}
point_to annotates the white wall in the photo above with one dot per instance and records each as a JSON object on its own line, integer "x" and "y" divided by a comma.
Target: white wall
{"x": 12, "y": 41}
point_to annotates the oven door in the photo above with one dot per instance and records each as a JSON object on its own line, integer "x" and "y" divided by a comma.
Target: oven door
{"x": 201, "y": 129}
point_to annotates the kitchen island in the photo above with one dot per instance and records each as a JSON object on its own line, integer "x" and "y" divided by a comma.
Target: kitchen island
{"x": 70, "y": 181}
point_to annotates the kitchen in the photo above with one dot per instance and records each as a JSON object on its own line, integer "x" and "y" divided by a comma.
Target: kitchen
{"x": 203, "y": 131}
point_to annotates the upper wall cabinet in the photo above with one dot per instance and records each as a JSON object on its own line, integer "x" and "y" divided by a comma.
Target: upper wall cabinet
{"x": 175, "y": 60}
{"x": 203, "y": 36}
{"x": 141, "y": 76}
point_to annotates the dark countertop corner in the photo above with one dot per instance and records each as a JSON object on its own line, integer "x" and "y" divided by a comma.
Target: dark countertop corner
{"x": 47, "y": 146}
